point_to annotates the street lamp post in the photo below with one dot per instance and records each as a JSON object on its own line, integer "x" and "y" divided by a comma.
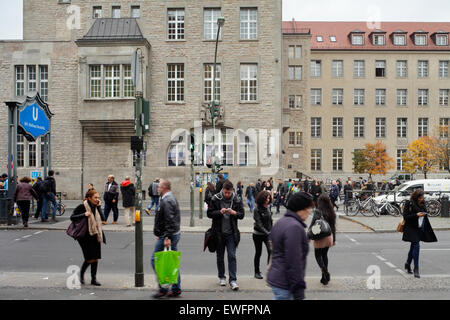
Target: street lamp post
{"x": 214, "y": 105}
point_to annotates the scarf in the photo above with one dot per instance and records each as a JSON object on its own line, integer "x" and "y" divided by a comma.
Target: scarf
{"x": 94, "y": 222}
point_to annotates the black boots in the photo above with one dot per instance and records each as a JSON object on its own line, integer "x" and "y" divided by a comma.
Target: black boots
{"x": 82, "y": 271}
{"x": 94, "y": 274}
{"x": 258, "y": 275}
{"x": 408, "y": 268}
{"x": 325, "y": 277}
{"x": 416, "y": 272}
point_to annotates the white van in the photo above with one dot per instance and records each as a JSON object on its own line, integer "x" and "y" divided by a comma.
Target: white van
{"x": 431, "y": 187}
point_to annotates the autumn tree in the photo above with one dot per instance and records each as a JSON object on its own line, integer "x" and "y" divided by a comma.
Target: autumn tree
{"x": 377, "y": 161}
{"x": 359, "y": 162}
{"x": 444, "y": 146}
{"x": 423, "y": 155}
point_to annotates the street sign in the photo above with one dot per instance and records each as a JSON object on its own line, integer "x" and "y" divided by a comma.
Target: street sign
{"x": 34, "y": 121}
{"x": 35, "y": 174}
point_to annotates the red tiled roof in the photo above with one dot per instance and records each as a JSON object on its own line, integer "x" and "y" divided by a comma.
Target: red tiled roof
{"x": 342, "y": 30}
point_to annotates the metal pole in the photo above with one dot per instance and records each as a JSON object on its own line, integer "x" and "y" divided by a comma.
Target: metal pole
{"x": 213, "y": 98}
{"x": 192, "y": 223}
{"x": 10, "y": 152}
{"x": 200, "y": 197}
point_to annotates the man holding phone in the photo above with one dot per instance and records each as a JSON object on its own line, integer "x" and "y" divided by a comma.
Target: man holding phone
{"x": 225, "y": 210}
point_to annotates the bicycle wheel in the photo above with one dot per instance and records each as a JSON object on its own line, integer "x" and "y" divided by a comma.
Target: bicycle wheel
{"x": 61, "y": 209}
{"x": 393, "y": 210}
{"x": 374, "y": 208}
{"x": 433, "y": 207}
{"x": 366, "y": 209}
{"x": 351, "y": 208}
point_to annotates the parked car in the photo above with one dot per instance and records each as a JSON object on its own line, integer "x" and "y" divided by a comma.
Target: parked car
{"x": 402, "y": 177}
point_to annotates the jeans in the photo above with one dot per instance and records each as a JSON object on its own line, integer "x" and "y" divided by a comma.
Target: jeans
{"x": 258, "y": 240}
{"x": 159, "y": 246}
{"x": 251, "y": 203}
{"x": 39, "y": 207}
{"x": 108, "y": 207}
{"x": 413, "y": 254}
{"x": 45, "y": 199}
{"x": 155, "y": 200}
{"x": 278, "y": 202}
{"x": 227, "y": 242}
{"x": 281, "y": 294}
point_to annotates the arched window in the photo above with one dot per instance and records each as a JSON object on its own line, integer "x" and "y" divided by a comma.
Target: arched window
{"x": 247, "y": 151}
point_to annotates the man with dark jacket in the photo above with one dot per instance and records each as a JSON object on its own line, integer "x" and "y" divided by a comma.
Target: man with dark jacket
{"x": 220, "y": 182}
{"x": 37, "y": 187}
{"x": 49, "y": 192}
{"x": 290, "y": 248}
{"x": 111, "y": 198}
{"x": 167, "y": 229}
{"x": 129, "y": 199}
{"x": 225, "y": 211}
{"x": 153, "y": 193}
{"x": 250, "y": 194}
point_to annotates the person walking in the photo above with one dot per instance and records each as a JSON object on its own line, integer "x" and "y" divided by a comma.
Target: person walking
{"x": 153, "y": 193}
{"x": 348, "y": 192}
{"x": 209, "y": 193}
{"x": 167, "y": 231}
{"x": 325, "y": 210}
{"x": 225, "y": 211}
{"x": 219, "y": 184}
{"x": 258, "y": 187}
{"x": 334, "y": 194}
{"x": 316, "y": 191}
{"x": 23, "y": 195}
{"x": 250, "y": 194}
{"x": 261, "y": 229}
{"x": 290, "y": 247}
{"x": 269, "y": 188}
{"x": 49, "y": 192}
{"x": 91, "y": 242}
{"x": 111, "y": 198}
{"x": 278, "y": 195}
{"x": 240, "y": 189}
{"x": 129, "y": 200}
{"x": 417, "y": 228}
{"x": 37, "y": 187}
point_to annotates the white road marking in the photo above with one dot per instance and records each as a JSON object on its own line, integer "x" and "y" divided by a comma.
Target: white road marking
{"x": 390, "y": 264}
{"x": 381, "y": 258}
{"x": 351, "y": 239}
{"x": 434, "y": 249}
{"x": 27, "y": 236}
{"x": 38, "y": 232}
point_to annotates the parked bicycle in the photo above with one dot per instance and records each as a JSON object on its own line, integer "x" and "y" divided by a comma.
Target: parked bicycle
{"x": 366, "y": 207}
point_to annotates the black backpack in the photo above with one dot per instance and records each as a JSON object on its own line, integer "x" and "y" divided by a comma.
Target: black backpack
{"x": 150, "y": 190}
{"x": 46, "y": 186}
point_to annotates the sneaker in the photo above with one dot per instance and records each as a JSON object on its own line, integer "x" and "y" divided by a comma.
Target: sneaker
{"x": 234, "y": 286}
{"x": 174, "y": 294}
{"x": 159, "y": 295}
{"x": 223, "y": 282}
{"x": 147, "y": 211}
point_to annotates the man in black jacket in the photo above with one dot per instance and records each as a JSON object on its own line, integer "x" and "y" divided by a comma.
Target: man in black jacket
{"x": 225, "y": 210}
{"x": 37, "y": 187}
{"x": 167, "y": 229}
{"x": 220, "y": 182}
{"x": 111, "y": 197}
{"x": 49, "y": 192}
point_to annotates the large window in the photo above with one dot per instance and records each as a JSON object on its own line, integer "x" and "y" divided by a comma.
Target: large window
{"x": 316, "y": 127}
{"x": 32, "y": 154}
{"x": 359, "y": 69}
{"x": 380, "y": 127}
{"x": 20, "y": 81}
{"x": 423, "y": 97}
{"x": 295, "y": 101}
{"x": 31, "y": 74}
{"x": 316, "y": 159}
{"x": 399, "y": 40}
{"x": 295, "y": 72}
{"x": 420, "y": 40}
{"x": 295, "y": 52}
{"x": 224, "y": 147}
{"x": 31, "y": 78}
{"x": 316, "y": 68}
{"x": 208, "y": 75}
{"x": 337, "y": 69}
{"x": 402, "y": 127}
{"x": 358, "y": 127}
{"x": 443, "y": 97}
{"x": 112, "y": 81}
{"x": 443, "y": 69}
{"x": 43, "y": 82}
{"x": 380, "y": 68}
{"x": 338, "y": 127}
{"x": 402, "y": 97}
{"x": 175, "y": 82}
{"x": 116, "y": 12}
{"x": 338, "y": 96}
{"x": 249, "y": 82}
{"x": 380, "y": 97}
{"x": 128, "y": 88}
{"x": 444, "y": 127}
{"x": 423, "y": 68}
{"x": 295, "y": 138}
{"x": 20, "y": 150}
{"x": 400, "y": 153}
{"x": 175, "y": 19}
{"x": 316, "y": 97}
{"x": 423, "y": 127}
{"x": 95, "y": 81}
{"x": 402, "y": 69}
{"x": 338, "y": 159}
{"x": 249, "y": 24}
{"x": 358, "y": 97}
{"x": 210, "y": 17}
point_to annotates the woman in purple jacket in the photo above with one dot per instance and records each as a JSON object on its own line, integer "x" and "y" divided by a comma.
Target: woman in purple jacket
{"x": 23, "y": 196}
{"x": 290, "y": 247}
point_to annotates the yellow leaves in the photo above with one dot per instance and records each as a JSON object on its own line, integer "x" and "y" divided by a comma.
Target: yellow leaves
{"x": 423, "y": 154}
{"x": 377, "y": 161}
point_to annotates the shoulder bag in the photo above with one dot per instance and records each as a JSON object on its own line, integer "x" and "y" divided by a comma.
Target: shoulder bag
{"x": 319, "y": 230}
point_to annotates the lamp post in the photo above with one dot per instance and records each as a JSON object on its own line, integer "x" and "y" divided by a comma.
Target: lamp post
{"x": 214, "y": 105}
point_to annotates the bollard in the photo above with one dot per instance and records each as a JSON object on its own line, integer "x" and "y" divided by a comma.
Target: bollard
{"x": 444, "y": 206}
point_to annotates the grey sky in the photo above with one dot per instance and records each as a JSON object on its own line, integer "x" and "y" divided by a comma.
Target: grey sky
{"x": 326, "y": 10}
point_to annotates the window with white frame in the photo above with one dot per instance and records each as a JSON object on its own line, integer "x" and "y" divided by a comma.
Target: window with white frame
{"x": 42, "y": 150}
{"x": 423, "y": 127}
{"x": 316, "y": 159}
{"x": 443, "y": 69}
{"x": 338, "y": 127}
{"x": 319, "y": 38}
{"x": 420, "y": 40}
{"x": 175, "y": 20}
{"x": 31, "y": 74}
{"x": 316, "y": 97}
{"x": 380, "y": 127}
{"x": 380, "y": 97}
{"x": 333, "y": 39}
{"x": 358, "y": 127}
{"x": 116, "y": 12}
{"x": 316, "y": 127}
{"x": 357, "y": 40}
{"x": 20, "y": 151}
{"x": 316, "y": 68}
{"x": 175, "y": 82}
{"x": 399, "y": 40}
{"x": 423, "y": 97}
{"x": 177, "y": 152}
{"x": 32, "y": 154}
{"x": 444, "y": 127}
{"x": 402, "y": 68}
{"x": 358, "y": 97}
{"x": 291, "y": 138}
{"x": 97, "y": 12}
{"x": 208, "y": 75}
{"x": 359, "y": 68}
{"x": 400, "y": 153}
{"x": 295, "y": 72}
{"x": 249, "y": 82}
{"x": 443, "y": 97}
{"x": 210, "y": 17}
{"x": 338, "y": 96}
{"x": 442, "y": 40}
{"x": 95, "y": 81}
{"x": 249, "y": 24}
{"x": 337, "y": 68}
{"x": 112, "y": 81}
{"x": 402, "y": 96}
{"x": 402, "y": 127}
{"x": 379, "y": 40}
{"x": 295, "y": 52}
{"x": 31, "y": 78}
{"x": 20, "y": 80}
{"x": 43, "y": 82}
{"x": 295, "y": 101}
{"x": 247, "y": 152}
{"x": 423, "y": 68}
{"x": 299, "y": 138}
{"x": 128, "y": 87}
{"x": 380, "y": 68}
{"x": 135, "y": 12}
{"x": 338, "y": 159}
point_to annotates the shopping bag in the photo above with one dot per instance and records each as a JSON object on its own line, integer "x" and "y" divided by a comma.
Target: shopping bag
{"x": 167, "y": 266}
{"x": 16, "y": 212}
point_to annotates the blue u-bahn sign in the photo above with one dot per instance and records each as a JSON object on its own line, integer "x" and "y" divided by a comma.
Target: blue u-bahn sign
{"x": 34, "y": 118}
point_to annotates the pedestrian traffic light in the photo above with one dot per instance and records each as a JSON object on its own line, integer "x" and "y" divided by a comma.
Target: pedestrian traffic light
{"x": 192, "y": 143}
{"x": 215, "y": 109}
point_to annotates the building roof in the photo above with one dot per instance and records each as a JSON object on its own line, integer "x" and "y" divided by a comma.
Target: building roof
{"x": 343, "y": 30}
{"x": 114, "y": 29}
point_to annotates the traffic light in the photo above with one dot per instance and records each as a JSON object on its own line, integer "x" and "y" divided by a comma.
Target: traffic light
{"x": 215, "y": 109}
{"x": 192, "y": 143}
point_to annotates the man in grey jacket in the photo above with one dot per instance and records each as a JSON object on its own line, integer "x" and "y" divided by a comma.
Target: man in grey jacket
{"x": 167, "y": 230}
{"x": 153, "y": 193}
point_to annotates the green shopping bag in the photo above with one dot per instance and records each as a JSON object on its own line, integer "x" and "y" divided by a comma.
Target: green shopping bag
{"x": 167, "y": 266}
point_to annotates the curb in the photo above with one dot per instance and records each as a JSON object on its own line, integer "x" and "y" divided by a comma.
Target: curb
{"x": 357, "y": 222}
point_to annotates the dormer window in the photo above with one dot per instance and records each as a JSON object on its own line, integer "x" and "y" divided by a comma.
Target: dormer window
{"x": 420, "y": 40}
{"x": 442, "y": 40}
{"x": 378, "y": 40}
{"x": 333, "y": 39}
{"x": 399, "y": 40}
{"x": 357, "y": 39}
{"x": 319, "y": 39}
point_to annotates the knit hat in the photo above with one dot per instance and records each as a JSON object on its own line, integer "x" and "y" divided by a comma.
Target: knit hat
{"x": 299, "y": 201}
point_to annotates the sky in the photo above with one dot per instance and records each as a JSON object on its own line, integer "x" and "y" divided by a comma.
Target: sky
{"x": 308, "y": 10}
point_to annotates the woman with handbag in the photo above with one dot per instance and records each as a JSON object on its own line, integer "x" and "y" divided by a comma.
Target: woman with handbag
{"x": 23, "y": 195}
{"x": 325, "y": 211}
{"x": 261, "y": 230}
{"x": 90, "y": 242}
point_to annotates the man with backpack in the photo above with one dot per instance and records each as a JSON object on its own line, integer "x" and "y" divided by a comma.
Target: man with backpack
{"x": 153, "y": 193}
{"x": 48, "y": 195}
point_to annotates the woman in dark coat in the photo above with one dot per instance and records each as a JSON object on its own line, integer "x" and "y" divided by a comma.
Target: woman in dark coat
{"x": 316, "y": 191}
{"x": 209, "y": 193}
{"x": 23, "y": 195}
{"x": 91, "y": 241}
{"x": 261, "y": 230}
{"x": 414, "y": 209}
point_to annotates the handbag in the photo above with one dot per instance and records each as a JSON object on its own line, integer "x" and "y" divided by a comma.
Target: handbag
{"x": 401, "y": 225}
{"x": 210, "y": 241}
{"x": 167, "y": 266}
{"x": 77, "y": 229}
{"x": 319, "y": 230}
